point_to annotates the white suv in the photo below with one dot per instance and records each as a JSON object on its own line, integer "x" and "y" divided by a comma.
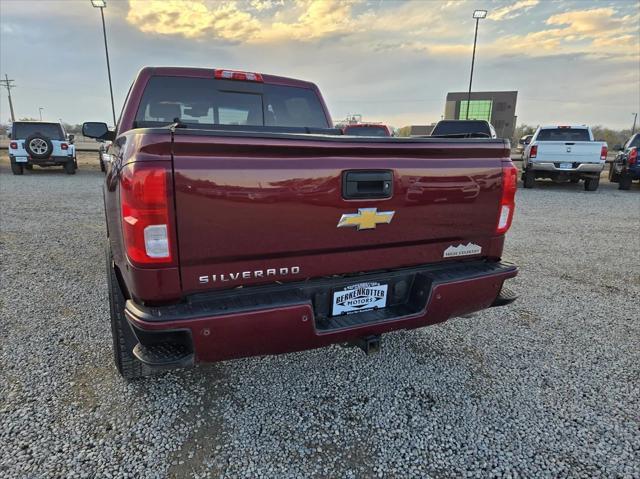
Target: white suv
{"x": 42, "y": 144}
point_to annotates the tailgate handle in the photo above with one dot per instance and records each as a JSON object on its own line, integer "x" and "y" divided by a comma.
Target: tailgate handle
{"x": 367, "y": 184}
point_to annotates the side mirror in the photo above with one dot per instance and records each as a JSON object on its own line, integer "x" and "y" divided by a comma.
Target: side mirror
{"x": 97, "y": 130}
{"x": 71, "y": 138}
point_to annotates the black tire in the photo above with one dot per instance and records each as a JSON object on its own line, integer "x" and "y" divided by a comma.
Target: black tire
{"x": 70, "y": 168}
{"x": 528, "y": 178}
{"x": 124, "y": 340}
{"x": 591, "y": 184}
{"x": 16, "y": 169}
{"x": 613, "y": 176}
{"x": 624, "y": 182}
{"x": 38, "y": 146}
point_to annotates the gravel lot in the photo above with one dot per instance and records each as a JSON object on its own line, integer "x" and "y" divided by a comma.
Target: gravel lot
{"x": 548, "y": 387}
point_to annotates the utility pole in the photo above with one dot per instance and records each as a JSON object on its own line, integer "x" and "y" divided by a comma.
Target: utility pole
{"x": 102, "y": 4}
{"x": 635, "y": 119}
{"x": 8, "y": 84}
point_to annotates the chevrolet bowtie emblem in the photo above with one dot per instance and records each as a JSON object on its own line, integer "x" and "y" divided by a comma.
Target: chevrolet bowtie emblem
{"x": 366, "y": 218}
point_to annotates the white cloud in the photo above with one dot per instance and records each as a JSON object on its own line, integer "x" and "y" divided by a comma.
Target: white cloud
{"x": 513, "y": 10}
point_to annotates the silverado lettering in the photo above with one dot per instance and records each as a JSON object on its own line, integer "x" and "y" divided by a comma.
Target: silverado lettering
{"x": 249, "y": 274}
{"x": 240, "y": 173}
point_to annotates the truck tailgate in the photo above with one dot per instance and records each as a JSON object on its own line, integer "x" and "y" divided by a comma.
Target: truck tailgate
{"x": 577, "y": 151}
{"x": 247, "y": 205}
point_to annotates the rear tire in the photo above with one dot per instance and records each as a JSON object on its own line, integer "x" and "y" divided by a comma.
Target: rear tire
{"x": 591, "y": 184}
{"x": 70, "y": 168}
{"x": 528, "y": 178}
{"x": 624, "y": 182}
{"x": 124, "y": 340}
{"x": 613, "y": 176}
{"x": 16, "y": 169}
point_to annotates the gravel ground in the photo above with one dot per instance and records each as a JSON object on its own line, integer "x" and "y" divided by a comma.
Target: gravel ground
{"x": 548, "y": 387}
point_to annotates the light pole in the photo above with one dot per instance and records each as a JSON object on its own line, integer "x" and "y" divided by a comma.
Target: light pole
{"x": 477, "y": 14}
{"x": 40, "y": 110}
{"x": 102, "y": 4}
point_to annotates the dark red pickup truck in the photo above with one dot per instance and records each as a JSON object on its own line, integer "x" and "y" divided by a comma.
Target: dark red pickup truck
{"x": 241, "y": 223}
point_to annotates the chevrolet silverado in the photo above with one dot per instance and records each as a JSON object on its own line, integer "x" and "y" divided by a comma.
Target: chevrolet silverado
{"x": 241, "y": 223}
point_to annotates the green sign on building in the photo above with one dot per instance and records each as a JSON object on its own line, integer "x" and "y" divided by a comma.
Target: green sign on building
{"x": 478, "y": 110}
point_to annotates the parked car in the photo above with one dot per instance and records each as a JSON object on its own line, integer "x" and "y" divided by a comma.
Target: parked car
{"x": 42, "y": 144}
{"x": 367, "y": 129}
{"x": 625, "y": 167}
{"x": 103, "y": 156}
{"x": 522, "y": 144}
{"x": 564, "y": 153}
{"x": 240, "y": 223}
{"x": 464, "y": 129}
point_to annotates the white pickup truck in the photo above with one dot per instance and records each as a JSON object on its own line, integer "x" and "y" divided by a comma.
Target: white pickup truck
{"x": 564, "y": 153}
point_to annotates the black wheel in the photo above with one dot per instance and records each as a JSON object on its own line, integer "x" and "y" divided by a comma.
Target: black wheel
{"x": 70, "y": 168}
{"x": 16, "y": 169}
{"x": 624, "y": 182}
{"x": 591, "y": 184}
{"x": 124, "y": 340}
{"x": 528, "y": 178}
{"x": 38, "y": 146}
{"x": 613, "y": 176}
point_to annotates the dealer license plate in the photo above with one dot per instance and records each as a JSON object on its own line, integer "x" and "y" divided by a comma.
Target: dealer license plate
{"x": 359, "y": 297}
{"x": 566, "y": 166}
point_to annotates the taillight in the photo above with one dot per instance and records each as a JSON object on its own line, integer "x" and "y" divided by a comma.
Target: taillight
{"x": 508, "y": 199}
{"x": 633, "y": 156}
{"x": 237, "y": 75}
{"x": 533, "y": 152}
{"x": 146, "y": 225}
{"x": 13, "y": 145}
{"x": 603, "y": 153}
{"x": 64, "y": 146}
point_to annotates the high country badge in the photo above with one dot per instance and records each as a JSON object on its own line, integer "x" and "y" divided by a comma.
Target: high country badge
{"x": 462, "y": 250}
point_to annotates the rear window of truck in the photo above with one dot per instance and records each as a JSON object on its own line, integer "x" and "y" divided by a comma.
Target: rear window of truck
{"x": 366, "y": 131}
{"x": 21, "y": 131}
{"x": 462, "y": 127}
{"x": 204, "y": 102}
{"x": 563, "y": 134}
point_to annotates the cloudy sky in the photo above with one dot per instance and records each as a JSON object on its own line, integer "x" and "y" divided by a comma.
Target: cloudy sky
{"x": 392, "y": 61}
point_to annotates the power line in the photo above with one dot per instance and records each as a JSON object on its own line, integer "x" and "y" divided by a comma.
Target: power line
{"x": 8, "y": 84}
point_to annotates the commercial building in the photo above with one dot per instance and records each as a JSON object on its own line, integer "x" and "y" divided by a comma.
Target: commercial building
{"x": 497, "y": 107}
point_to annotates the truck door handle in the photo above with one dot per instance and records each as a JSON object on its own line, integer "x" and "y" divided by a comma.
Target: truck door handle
{"x": 372, "y": 184}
